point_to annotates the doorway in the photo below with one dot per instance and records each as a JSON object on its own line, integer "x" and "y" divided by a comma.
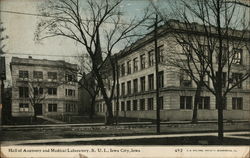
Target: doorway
{"x": 39, "y": 109}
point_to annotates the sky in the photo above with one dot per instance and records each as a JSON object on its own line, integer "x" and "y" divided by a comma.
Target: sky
{"x": 20, "y": 30}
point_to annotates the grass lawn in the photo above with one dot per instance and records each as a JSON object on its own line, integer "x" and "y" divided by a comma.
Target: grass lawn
{"x": 203, "y": 140}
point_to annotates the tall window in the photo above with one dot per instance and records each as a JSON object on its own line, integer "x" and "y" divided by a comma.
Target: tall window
{"x": 52, "y": 75}
{"x": 204, "y": 103}
{"x": 70, "y": 92}
{"x": 151, "y": 58}
{"x": 161, "y": 79}
{"x": 38, "y": 74}
{"x": 134, "y": 105}
{"x": 151, "y": 82}
{"x": 23, "y": 107}
{"x": 237, "y": 103}
{"x": 70, "y": 107}
{"x": 38, "y": 91}
{"x": 143, "y": 61}
{"x": 160, "y": 55}
{"x": 237, "y": 56}
{"x": 185, "y": 79}
{"x": 70, "y": 78}
{"x": 224, "y": 79}
{"x": 135, "y": 61}
{"x": 150, "y": 103}
{"x": 122, "y": 69}
{"x": 236, "y": 77}
{"x": 142, "y": 84}
{"x": 122, "y": 106}
{"x": 129, "y": 87}
{"x": 129, "y": 67}
{"x": 142, "y": 104}
{"x": 52, "y": 107}
{"x": 161, "y": 102}
{"x": 128, "y": 105}
{"x": 23, "y": 92}
{"x": 123, "y": 89}
{"x": 135, "y": 84}
{"x": 23, "y": 74}
{"x": 52, "y": 91}
{"x": 185, "y": 102}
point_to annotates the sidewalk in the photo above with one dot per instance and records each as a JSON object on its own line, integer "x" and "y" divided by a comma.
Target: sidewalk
{"x": 63, "y": 124}
{"x": 69, "y": 140}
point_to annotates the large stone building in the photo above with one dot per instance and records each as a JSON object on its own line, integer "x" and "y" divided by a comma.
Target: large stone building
{"x": 47, "y": 86}
{"x": 137, "y": 84}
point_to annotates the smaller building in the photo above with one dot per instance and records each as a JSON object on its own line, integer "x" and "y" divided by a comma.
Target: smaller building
{"x": 43, "y": 87}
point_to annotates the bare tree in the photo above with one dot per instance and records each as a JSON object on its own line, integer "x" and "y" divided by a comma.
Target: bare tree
{"x": 36, "y": 94}
{"x": 87, "y": 23}
{"x": 2, "y": 38}
{"x": 213, "y": 34}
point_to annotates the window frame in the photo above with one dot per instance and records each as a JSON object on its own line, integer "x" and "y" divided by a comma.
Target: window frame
{"x": 142, "y": 104}
{"x": 143, "y": 84}
{"x": 23, "y": 74}
{"x": 52, "y": 107}
{"x": 52, "y": 91}
{"x": 23, "y": 107}
{"x": 185, "y": 100}
{"x": 237, "y": 103}
{"x": 151, "y": 82}
{"x": 135, "y": 64}
{"x": 135, "y": 85}
{"x": 151, "y": 103}
{"x": 151, "y": 58}
{"x": 143, "y": 61}
{"x": 23, "y": 92}
{"x": 52, "y": 75}
{"x": 37, "y": 74}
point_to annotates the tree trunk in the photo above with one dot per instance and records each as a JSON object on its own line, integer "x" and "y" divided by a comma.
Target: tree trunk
{"x": 35, "y": 113}
{"x": 109, "y": 120}
{"x": 92, "y": 108}
{"x": 220, "y": 104}
{"x": 197, "y": 100}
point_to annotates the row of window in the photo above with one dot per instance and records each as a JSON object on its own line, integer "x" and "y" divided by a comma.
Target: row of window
{"x": 51, "y": 75}
{"x": 24, "y": 107}
{"x": 204, "y": 103}
{"x": 132, "y": 105}
{"x": 24, "y": 92}
{"x": 186, "y": 102}
{"x": 142, "y": 62}
{"x": 236, "y": 54}
{"x": 185, "y": 81}
{"x": 142, "y": 84}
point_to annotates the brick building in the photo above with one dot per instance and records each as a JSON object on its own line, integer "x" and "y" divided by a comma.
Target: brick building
{"x": 48, "y": 85}
{"x": 137, "y": 85}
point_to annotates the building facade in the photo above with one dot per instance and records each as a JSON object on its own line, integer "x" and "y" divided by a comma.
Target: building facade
{"x": 43, "y": 87}
{"x": 137, "y": 90}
